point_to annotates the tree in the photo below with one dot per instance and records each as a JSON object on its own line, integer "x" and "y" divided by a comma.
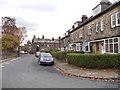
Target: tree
{"x": 9, "y": 27}
{"x": 37, "y": 48}
{"x": 13, "y": 36}
{"x": 9, "y": 42}
{"x": 21, "y": 34}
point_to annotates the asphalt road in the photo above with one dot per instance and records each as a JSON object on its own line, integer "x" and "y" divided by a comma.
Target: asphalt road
{"x": 25, "y": 72}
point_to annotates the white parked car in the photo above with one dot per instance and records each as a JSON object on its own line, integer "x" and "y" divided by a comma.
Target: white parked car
{"x": 22, "y": 52}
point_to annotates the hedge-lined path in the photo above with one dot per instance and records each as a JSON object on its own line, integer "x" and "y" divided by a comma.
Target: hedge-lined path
{"x": 71, "y": 70}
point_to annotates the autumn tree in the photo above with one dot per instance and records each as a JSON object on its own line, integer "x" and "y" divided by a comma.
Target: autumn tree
{"x": 20, "y": 34}
{"x": 12, "y": 35}
{"x": 9, "y": 27}
{"x": 9, "y": 42}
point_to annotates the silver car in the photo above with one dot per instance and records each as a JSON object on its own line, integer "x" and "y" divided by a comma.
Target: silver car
{"x": 46, "y": 58}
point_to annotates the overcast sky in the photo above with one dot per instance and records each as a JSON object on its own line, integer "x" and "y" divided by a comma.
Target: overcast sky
{"x": 51, "y": 18}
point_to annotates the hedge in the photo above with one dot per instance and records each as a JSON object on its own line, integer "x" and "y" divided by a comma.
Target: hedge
{"x": 61, "y": 55}
{"x": 94, "y": 61}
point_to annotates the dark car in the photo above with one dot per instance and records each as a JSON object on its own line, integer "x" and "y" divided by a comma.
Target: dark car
{"x": 45, "y": 59}
{"x": 37, "y": 54}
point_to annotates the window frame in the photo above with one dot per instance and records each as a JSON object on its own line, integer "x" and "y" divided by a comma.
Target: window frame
{"x": 89, "y": 30}
{"x": 117, "y": 24}
{"x": 111, "y": 43}
{"x": 113, "y": 16}
{"x": 80, "y": 34}
{"x": 102, "y": 24}
{"x": 97, "y": 26}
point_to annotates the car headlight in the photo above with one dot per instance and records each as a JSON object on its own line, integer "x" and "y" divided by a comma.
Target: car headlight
{"x": 41, "y": 59}
{"x": 51, "y": 59}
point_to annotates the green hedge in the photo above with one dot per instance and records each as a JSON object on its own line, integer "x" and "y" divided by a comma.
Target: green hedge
{"x": 61, "y": 55}
{"x": 94, "y": 61}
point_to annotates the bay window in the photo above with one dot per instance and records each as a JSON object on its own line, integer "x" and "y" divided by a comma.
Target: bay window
{"x": 112, "y": 45}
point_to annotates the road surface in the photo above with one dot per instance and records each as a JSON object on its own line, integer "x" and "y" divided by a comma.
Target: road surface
{"x": 25, "y": 72}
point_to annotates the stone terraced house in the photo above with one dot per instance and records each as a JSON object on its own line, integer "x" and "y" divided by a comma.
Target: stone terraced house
{"x": 44, "y": 44}
{"x": 99, "y": 33}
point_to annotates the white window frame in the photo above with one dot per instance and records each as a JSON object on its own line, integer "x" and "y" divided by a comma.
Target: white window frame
{"x": 113, "y": 1}
{"x": 112, "y": 44}
{"x": 96, "y": 27}
{"x": 81, "y": 47}
{"x": 96, "y": 10}
{"x": 117, "y": 24}
{"x": 102, "y": 25}
{"x": 119, "y": 45}
{"x": 112, "y": 20}
{"x": 80, "y": 34}
{"x": 77, "y": 46}
{"x": 86, "y": 44}
{"x": 48, "y": 45}
{"x": 89, "y": 30}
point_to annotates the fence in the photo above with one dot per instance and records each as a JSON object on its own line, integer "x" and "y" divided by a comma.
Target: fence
{"x": 6, "y": 54}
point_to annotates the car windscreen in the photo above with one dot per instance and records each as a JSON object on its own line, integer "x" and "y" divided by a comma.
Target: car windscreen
{"x": 37, "y": 52}
{"x": 46, "y": 55}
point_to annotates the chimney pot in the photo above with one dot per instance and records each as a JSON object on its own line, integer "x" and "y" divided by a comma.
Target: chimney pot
{"x": 84, "y": 17}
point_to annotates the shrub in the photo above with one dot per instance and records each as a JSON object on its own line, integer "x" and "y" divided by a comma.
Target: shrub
{"x": 61, "y": 55}
{"x": 96, "y": 61}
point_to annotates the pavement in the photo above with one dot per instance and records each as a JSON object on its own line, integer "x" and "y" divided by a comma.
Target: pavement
{"x": 75, "y": 71}
{"x": 6, "y": 61}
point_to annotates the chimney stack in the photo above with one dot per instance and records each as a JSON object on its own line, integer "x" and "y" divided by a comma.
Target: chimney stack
{"x": 84, "y": 17}
{"x": 59, "y": 37}
{"x": 53, "y": 39}
{"x": 104, "y": 4}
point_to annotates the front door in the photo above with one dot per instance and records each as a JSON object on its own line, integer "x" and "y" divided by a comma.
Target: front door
{"x": 99, "y": 47}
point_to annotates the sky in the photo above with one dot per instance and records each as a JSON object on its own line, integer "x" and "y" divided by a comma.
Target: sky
{"x": 51, "y": 18}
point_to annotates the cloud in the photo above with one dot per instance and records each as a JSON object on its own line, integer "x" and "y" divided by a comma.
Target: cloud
{"x": 3, "y": 3}
{"x": 42, "y": 6}
{"x": 29, "y": 25}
